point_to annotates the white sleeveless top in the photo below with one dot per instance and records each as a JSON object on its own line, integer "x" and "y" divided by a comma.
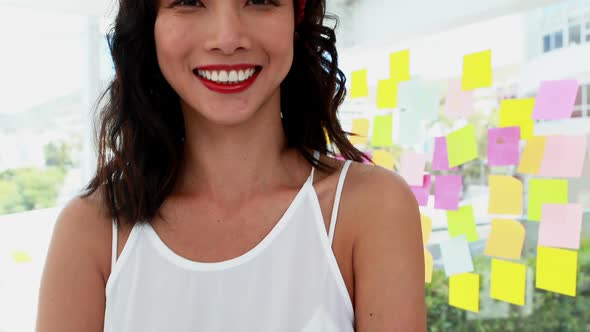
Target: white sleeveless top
{"x": 290, "y": 281}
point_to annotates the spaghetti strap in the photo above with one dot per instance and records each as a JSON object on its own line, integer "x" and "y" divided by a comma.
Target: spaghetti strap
{"x": 114, "y": 241}
{"x": 337, "y": 199}
{"x": 316, "y": 156}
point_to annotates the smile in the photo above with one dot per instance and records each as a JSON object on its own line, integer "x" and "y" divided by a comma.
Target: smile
{"x": 227, "y": 79}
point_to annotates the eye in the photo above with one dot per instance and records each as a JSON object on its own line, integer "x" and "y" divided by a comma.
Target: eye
{"x": 262, "y": 2}
{"x": 187, "y": 3}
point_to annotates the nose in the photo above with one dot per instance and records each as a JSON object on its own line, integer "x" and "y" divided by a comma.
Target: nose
{"x": 226, "y": 31}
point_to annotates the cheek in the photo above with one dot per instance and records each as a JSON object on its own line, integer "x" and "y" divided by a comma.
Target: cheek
{"x": 170, "y": 41}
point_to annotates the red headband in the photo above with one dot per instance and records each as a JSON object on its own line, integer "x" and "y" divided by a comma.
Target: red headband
{"x": 301, "y": 11}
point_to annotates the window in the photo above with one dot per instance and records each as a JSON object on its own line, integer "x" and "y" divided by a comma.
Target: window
{"x": 587, "y": 31}
{"x": 575, "y": 34}
{"x": 558, "y": 39}
{"x": 546, "y": 43}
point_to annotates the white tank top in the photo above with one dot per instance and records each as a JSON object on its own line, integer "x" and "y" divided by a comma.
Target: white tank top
{"x": 290, "y": 281}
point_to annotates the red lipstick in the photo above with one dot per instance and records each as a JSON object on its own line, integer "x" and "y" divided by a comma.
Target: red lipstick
{"x": 228, "y": 87}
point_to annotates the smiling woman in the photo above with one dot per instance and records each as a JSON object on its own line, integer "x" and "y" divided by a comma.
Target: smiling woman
{"x": 215, "y": 201}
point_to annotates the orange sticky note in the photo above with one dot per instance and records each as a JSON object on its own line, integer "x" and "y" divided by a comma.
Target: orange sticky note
{"x": 359, "y": 85}
{"x": 505, "y": 195}
{"x": 386, "y": 94}
{"x": 464, "y": 291}
{"x": 383, "y": 159}
{"x": 506, "y": 239}
{"x": 361, "y": 128}
{"x": 508, "y": 281}
{"x": 532, "y": 155}
{"x": 518, "y": 112}
{"x": 477, "y": 70}
{"x": 428, "y": 266}
{"x": 426, "y": 228}
{"x": 556, "y": 270}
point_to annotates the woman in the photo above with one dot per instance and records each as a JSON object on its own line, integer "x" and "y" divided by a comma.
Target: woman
{"x": 214, "y": 206}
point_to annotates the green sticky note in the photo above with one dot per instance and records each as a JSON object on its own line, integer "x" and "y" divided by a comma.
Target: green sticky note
{"x": 461, "y": 146}
{"x": 542, "y": 191}
{"x": 386, "y": 94}
{"x": 477, "y": 70}
{"x": 382, "y": 131}
{"x": 519, "y": 113}
{"x": 359, "y": 85}
{"x": 462, "y": 222}
{"x": 399, "y": 66}
{"x": 21, "y": 256}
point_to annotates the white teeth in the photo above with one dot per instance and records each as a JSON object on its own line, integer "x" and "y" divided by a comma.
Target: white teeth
{"x": 225, "y": 77}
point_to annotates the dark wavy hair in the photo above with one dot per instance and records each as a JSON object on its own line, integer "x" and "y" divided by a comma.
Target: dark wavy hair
{"x": 141, "y": 127}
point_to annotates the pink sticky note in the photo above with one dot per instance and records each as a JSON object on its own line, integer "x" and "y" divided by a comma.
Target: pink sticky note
{"x": 440, "y": 159}
{"x": 412, "y": 167}
{"x": 422, "y": 192}
{"x": 561, "y": 226}
{"x": 503, "y": 147}
{"x": 564, "y": 156}
{"x": 447, "y": 191}
{"x": 459, "y": 102}
{"x": 555, "y": 99}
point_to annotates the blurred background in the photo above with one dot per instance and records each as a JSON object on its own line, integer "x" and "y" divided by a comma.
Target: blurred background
{"x": 55, "y": 61}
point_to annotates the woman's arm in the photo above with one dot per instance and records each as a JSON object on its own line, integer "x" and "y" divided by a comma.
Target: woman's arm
{"x": 388, "y": 257}
{"x": 71, "y": 297}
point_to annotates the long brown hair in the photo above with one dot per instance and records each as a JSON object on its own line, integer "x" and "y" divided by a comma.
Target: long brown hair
{"x": 141, "y": 127}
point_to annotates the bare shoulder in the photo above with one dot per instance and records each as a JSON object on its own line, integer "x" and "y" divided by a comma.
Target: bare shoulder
{"x": 388, "y": 252}
{"x": 71, "y": 295}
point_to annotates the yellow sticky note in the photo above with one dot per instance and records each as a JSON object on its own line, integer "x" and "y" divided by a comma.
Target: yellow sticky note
{"x": 387, "y": 94}
{"x": 543, "y": 191}
{"x": 506, "y": 239}
{"x": 426, "y": 227}
{"x": 464, "y": 291}
{"x": 532, "y": 155}
{"x": 21, "y": 257}
{"x": 518, "y": 112}
{"x": 461, "y": 146}
{"x": 428, "y": 263}
{"x": 399, "y": 66}
{"x": 505, "y": 195}
{"x": 462, "y": 222}
{"x": 382, "y": 131}
{"x": 359, "y": 85}
{"x": 383, "y": 159}
{"x": 556, "y": 270}
{"x": 361, "y": 128}
{"x": 477, "y": 70}
{"x": 508, "y": 281}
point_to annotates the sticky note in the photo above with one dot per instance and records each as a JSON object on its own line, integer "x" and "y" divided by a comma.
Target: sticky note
{"x": 561, "y": 225}
{"x": 361, "y": 128}
{"x": 426, "y": 225}
{"x": 542, "y": 191}
{"x": 440, "y": 159}
{"x": 556, "y": 270}
{"x": 458, "y": 103}
{"x": 410, "y": 128}
{"x": 505, "y": 195}
{"x": 383, "y": 159}
{"x": 532, "y": 155}
{"x": 503, "y": 146}
{"x": 518, "y": 112}
{"x": 464, "y": 291}
{"x": 447, "y": 191}
{"x": 428, "y": 265}
{"x": 462, "y": 222}
{"x": 20, "y": 256}
{"x": 506, "y": 239}
{"x": 412, "y": 167}
{"x": 555, "y": 99}
{"x": 419, "y": 100}
{"x": 477, "y": 70}
{"x": 462, "y": 146}
{"x": 564, "y": 156}
{"x": 399, "y": 65}
{"x": 382, "y": 131}
{"x": 386, "y": 94}
{"x": 422, "y": 192}
{"x": 456, "y": 255}
{"x": 359, "y": 85}
{"x": 508, "y": 281}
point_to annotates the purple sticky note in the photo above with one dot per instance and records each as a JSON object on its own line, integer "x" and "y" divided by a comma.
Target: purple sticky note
{"x": 440, "y": 158}
{"x": 422, "y": 192}
{"x": 561, "y": 226}
{"x": 555, "y": 99}
{"x": 503, "y": 146}
{"x": 564, "y": 156}
{"x": 447, "y": 191}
